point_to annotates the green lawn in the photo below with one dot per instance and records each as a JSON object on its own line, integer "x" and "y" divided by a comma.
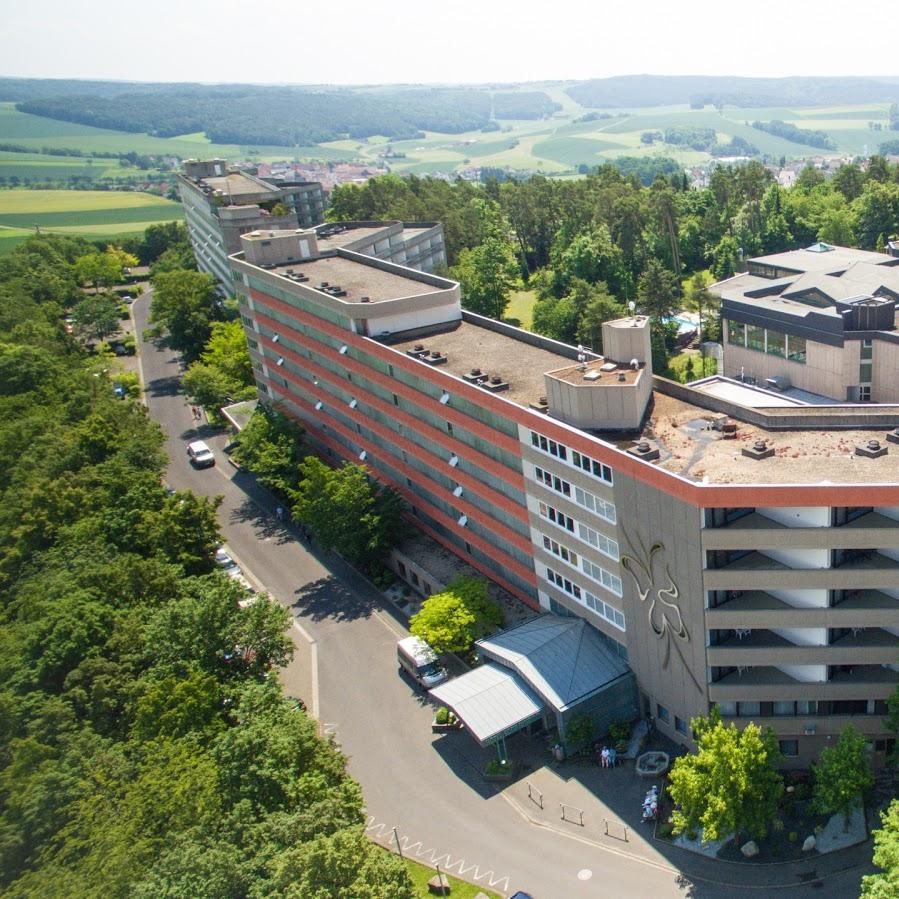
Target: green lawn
{"x": 521, "y": 307}
{"x": 10, "y": 238}
{"x": 459, "y": 889}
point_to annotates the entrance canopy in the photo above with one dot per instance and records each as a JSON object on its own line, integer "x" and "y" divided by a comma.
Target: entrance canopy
{"x": 492, "y": 702}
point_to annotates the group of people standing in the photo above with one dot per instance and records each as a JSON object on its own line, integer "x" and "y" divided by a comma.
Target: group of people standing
{"x": 607, "y": 757}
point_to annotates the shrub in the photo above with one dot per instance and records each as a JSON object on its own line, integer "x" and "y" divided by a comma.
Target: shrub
{"x": 792, "y": 836}
{"x": 620, "y": 730}
{"x": 778, "y": 826}
{"x": 498, "y": 766}
{"x": 666, "y": 830}
{"x": 581, "y": 729}
{"x": 442, "y": 715}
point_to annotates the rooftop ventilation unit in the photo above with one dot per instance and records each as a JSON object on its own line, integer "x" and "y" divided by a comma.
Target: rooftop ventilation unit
{"x": 871, "y": 449}
{"x": 495, "y": 384}
{"x": 365, "y": 300}
{"x": 475, "y": 376}
{"x": 418, "y": 351}
{"x": 635, "y": 364}
{"x": 622, "y": 377}
{"x": 592, "y": 375}
{"x": 434, "y": 357}
{"x": 608, "y": 366}
{"x": 759, "y": 450}
{"x": 644, "y": 450}
{"x": 542, "y": 405}
{"x": 893, "y": 436}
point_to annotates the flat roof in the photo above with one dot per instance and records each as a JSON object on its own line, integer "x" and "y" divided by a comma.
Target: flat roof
{"x": 238, "y": 184}
{"x": 812, "y": 456}
{"x": 349, "y": 235}
{"x": 358, "y": 279}
{"x": 591, "y": 374}
{"x": 467, "y": 345}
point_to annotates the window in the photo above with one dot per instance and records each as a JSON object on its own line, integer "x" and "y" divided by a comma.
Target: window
{"x": 426, "y": 587}
{"x": 727, "y": 708}
{"x": 865, "y": 370}
{"x": 606, "y": 545}
{"x": 755, "y": 338}
{"x": 253, "y": 345}
{"x": 591, "y": 466}
{"x": 736, "y": 333}
{"x": 776, "y": 343}
{"x": 784, "y": 708}
{"x": 449, "y": 428}
{"x": 807, "y": 707}
{"x": 595, "y": 504}
{"x": 662, "y": 713}
{"x": 680, "y": 725}
{"x": 748, "y": 709}
{"x": 601, "y": 576}
{"x": 390, "y": 370}
{"x": 563, "y": 552}
{"x": 887, "y": 745}
{"x": 554, "y": 482}
{"x": 556, "y": 517}
{"x": 396, "y": 400}
{"x": 468, "y": 547}
{"x": 790, "y": 748}
{"x": 604, "y": 610}
{"x": 866, "y": 352}
{"x": 544, "y": 444}
{"x": 563, "y": 583}
{"x": 414, "y": 578}
{"x": 796, "y": 348}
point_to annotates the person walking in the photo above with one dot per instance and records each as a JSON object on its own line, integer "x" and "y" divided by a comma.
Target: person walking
{"x": 279, "y": 512}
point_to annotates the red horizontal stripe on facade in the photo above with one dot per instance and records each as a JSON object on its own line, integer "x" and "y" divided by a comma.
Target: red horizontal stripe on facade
{"x": 524, "y": 573}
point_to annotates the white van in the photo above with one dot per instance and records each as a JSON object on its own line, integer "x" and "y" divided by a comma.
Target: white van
{"x": 200, "y": 454}
{"x": 419, "y": 661}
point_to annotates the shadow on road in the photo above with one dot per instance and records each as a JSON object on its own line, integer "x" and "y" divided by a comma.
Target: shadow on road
{"x": 330, "y": 598}
{"x": 265, "y": 524}
{"x": 169, "y": 386}
{"x": 466, "y": 760}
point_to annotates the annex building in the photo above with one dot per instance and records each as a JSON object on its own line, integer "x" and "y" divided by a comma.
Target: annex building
{"x": 736, "y": 556}
{"x": 221, "y": 204}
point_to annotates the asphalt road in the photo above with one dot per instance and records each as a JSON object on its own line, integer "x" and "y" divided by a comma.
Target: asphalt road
{"x": 346, "y": 671}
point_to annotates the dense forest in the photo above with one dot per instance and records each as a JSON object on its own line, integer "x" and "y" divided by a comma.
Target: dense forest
{"x": 145, "y": 749}
{"x": 286, "y": 116}
{"x": 588, "y": 246}
{"x": 661, "y": 90}
{"x": 789, "y": 131}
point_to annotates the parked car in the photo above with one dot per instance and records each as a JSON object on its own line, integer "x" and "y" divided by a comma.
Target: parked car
{"x": 199, "y": 454}
{"x": 420, "y": 662}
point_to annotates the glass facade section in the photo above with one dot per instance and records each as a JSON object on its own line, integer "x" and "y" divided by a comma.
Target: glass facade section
{"x": 795, "y": 348}
{"x": 755, "y": 338}
{"x": 776, "y": 343}
{"x": 736, "y": 333}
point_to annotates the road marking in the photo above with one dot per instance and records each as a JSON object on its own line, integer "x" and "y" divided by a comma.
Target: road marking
{"x": 384, "y": 834}
{"x": 313, "y": 664}
{"x": 584, "y": 874}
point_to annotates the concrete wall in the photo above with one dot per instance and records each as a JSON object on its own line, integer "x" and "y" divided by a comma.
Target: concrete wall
{"x": 627, "y": 338}
{"x": 603, "y": 405}
{"x": 885, "y": 379}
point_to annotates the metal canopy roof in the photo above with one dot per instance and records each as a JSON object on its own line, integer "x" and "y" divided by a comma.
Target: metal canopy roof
{"x": 491, "y": 701}
{"x": 564, "y": 660}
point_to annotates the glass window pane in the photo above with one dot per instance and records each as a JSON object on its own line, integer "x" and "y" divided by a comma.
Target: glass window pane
{"x": 755, "y": 338}
{"x": 736, "y": 333}
{"x": 776, "y": 343}
{"x": 796, "y": 348}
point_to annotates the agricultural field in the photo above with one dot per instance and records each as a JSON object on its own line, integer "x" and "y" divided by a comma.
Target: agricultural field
{"x": 556, "y": 146}
{"x": 94, "y": 214}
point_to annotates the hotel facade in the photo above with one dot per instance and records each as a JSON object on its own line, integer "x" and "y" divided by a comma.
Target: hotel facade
{"x": 745, "y": 561}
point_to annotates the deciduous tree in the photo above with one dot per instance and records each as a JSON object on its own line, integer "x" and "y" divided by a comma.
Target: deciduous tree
{"x": 842, "y": 774}
{"x": 730, "y": 786}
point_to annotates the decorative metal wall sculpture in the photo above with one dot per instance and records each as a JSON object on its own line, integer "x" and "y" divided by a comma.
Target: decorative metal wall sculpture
{"x": 665, "y": 617}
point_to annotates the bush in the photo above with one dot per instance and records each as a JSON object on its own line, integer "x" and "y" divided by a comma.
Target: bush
{"x": 792, "y": 836}
{"x": 581, "y": 729}
{"x": 620, "y": 730}
{"x": 497, "y": 767}
{"x": 666, "y": 830}
{"x": 444, "y": 716}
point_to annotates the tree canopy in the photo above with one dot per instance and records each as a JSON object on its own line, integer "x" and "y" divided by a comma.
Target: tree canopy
{"x": 452, "y": 620}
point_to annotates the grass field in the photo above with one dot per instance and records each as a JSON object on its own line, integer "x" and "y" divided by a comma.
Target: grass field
{"x": 458, "y": 889}
{"x": 97, "y": 215}
{"x": 521, "y": 308}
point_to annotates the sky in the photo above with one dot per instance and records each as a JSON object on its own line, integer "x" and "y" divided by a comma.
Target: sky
{"x": 455, "y": 41}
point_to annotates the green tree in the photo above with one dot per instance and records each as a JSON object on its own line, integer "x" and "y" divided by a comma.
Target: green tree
{"x": 600, "y": 307}
{"x": 98, "y": 269}
{"x": 885, "y": 885}
{"x": 184, "y": 304}
{"x": 842, "y": 774}
{"x": 97, "y": 315}
{"x": 451, "y": 621}
{"x": 658, "y": 290}
{"x": 730, "y": 785}
{"x": 224, "y": 371}
{"x": 556, "y": 318}
{"x": 348, "y": 511}
{"x": 345, "y": 864}
{"x": 726, "y": 256}
{"x": 271, "y": 446}
{"x": 176, "y": 706}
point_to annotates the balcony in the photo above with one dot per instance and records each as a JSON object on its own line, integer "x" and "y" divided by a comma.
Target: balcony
{"x": 871, "y": 570}
{"x": 767, "y": 683}
{"x": 868, "y": 646}
{"x": 761, "y": 532}
{"x": 758, "y": 609}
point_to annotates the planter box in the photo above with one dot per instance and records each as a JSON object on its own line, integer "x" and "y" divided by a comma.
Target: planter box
{"x": 506, "y": 777}
{"x": 442, "y": 728}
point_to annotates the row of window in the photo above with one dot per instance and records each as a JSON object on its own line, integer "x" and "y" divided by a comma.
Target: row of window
{"x": 556, "y": 517}
{"x": 679, "y": 724}
{"x": 559, "y": 550}
{"x": 601, "y": 576}
{"x": 595, "y": 504}
{"x": 586, "y": 598}
{"x": 578, "y": 460}
{"x": 763, "y": 340}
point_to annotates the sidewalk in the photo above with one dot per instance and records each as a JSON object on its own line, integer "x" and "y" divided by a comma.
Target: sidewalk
{"x": 611, "y": 799}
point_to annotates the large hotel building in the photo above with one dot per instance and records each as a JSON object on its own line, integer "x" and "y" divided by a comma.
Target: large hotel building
{"x": 737, "y": 546}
